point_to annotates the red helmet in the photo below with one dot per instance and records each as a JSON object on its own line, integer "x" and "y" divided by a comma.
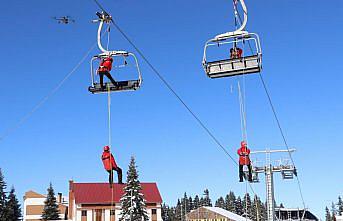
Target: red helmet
{"x": 243, "y": 144}
{"x": 106, "y": 148}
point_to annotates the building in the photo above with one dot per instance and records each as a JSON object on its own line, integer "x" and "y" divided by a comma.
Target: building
{"x": 34, "y": 204}
{"x": 97, "y": 201}
{"x": 213, "y": 214}
{"x": 294, "y": 214}
{"x": 339, "y": 218}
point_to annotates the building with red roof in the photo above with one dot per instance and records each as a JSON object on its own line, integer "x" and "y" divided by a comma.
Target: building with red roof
{"x": 98, "y": 202}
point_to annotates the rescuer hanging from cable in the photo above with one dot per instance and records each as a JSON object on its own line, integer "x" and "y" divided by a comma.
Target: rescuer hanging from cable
{"x": 110, "y": 165}
{"x": 244, "y": 159}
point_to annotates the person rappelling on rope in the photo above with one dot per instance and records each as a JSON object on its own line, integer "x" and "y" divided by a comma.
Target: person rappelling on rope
{"x": 110, "y": 165}
{"x": 244, "y": 160}
{"x": 104, "y": 69}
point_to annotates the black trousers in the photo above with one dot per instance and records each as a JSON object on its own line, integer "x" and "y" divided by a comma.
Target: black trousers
{"x": 119, "y": 173}
{"x": 108, "y": 75}
{"x": 241, "y": 173}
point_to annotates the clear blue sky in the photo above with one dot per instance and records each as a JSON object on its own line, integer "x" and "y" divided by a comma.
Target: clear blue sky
{"x": 302, "y": 48}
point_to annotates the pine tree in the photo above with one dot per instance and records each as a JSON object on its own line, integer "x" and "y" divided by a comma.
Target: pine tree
{"x": 165, "y": 212}
{"x": 190, "y": 204}
{"x": 247, "y": 205}
{"x": 239, "y": 206}
{"x": 178, "y": 210}
{"x": 333, "y": 212}
{"x": 196, "y": 202}
{"x": 3, "y": 197}
{"x": 258, "y": 209}
{"x": 230, "y": 202}
{"x": 340, "y": 206}
{"x": 50, "y": 211}
{"x": 220, "y": 203}
{"x": 207, "y": 200}
{"x": 327, "y": 214}
{"x": 13, "y": 207}
{"x": 132, "y": 202}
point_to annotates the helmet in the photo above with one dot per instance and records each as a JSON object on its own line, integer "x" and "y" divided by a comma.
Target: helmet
{"x": 243, "y": 144}
{"x": 106, "y": 148}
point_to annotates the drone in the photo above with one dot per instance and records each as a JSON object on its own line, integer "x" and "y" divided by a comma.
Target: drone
{"x": 64, "y": 20}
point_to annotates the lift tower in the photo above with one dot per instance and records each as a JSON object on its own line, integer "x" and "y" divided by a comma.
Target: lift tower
{"x": 283, "y": 166}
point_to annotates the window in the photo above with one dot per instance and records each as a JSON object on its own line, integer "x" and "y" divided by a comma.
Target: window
{"x": 84, "y": 213}
{"x": 153, "y": 211}
{"x": 113, "y": 212}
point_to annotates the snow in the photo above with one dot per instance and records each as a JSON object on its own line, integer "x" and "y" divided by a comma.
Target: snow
{"x": 227, "y": 214}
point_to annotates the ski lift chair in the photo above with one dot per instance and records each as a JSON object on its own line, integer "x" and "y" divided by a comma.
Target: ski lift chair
{"x": 250, "y": 62}
{"x": 127, "y": 85}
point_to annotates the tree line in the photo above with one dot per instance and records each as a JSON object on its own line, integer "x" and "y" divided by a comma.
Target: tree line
{"x": 9, "y": 204}
{"x": 336, "y": 210}
{"x": 246, "y": 206}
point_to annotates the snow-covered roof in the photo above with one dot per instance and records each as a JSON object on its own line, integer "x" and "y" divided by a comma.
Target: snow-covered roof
{"x": 227, "y": 214}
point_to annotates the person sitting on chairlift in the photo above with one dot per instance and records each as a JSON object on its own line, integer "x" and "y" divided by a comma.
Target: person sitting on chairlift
{"x": 244, "y": 160}
{"x": 110, "y": 165}
{"x": 104, "y": 69}
{"x": 236, "y": 53}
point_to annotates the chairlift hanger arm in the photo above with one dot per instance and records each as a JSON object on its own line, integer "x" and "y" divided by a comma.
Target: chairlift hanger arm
{"x": 241, "y": 30}
{"x": 104, "y": 17}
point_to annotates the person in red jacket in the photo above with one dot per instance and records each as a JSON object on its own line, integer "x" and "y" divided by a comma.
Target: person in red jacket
{"x": 110, "y": 165}
{"x": 244, "y": 159}
{"x": 236, "y": 53}
{"x": 104, "y": 69}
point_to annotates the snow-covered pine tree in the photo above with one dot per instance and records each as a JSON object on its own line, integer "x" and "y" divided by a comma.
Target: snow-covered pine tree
{"x": 190, "y": 203}
{"x": 327, "y": 214}
{"x": 207, "y": 200}
{"x": 340, "y": 206}
{"x": 13, "y": 207}
{"x": 220, "y": 203}
{"x": 333, "y": 211}
{"x": 132, "y": 202}
{"x": 239, "y": 206}
{"x": 165, "y": 212}
{"x": 178, "y": 210}
{"x": 230, "y": 202}
{"x": 3, "y": 197}
{"x": 50, "y": 211}
{"x": 247, "y": 205}
{"x": 196, "y": 202}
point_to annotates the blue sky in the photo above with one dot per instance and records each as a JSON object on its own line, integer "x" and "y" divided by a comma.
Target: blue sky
{"x": 64, "y": 138}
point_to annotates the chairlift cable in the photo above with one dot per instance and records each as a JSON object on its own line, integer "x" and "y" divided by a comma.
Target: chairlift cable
{"x": 164, "y": 81}
{"x": 170, "y": 88}
{"x": 12, "y": 129}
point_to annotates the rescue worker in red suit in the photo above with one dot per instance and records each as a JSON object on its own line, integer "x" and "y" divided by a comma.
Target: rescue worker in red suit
{"x": 236, "y": 53}
{"x": 104, "y": 69}
{"x": 110, "y": 165}
{"x": 244, "y": 160}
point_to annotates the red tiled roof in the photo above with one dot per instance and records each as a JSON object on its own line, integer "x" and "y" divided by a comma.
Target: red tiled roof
{"x": 101, "y": 193}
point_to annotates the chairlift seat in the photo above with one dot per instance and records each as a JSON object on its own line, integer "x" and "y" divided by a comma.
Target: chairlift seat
{"x": 233, "y": 67}
{"x": 130, "y": 85}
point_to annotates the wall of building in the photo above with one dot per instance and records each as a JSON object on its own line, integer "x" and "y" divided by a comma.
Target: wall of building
{"x": 90, "y": 213}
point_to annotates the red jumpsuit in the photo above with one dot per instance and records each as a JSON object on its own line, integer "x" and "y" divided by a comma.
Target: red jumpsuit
{"x": 244, "y": 160}
{"x": 110, "y": 165}
{"x": 104, "y": 69}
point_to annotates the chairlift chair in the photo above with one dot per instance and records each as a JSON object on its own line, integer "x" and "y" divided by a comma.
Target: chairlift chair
{"x": 247, "y": 64}
{"x": 127, "y": 85}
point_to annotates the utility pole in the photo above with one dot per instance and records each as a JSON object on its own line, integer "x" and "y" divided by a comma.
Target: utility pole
{"x": 288, "y": 171}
